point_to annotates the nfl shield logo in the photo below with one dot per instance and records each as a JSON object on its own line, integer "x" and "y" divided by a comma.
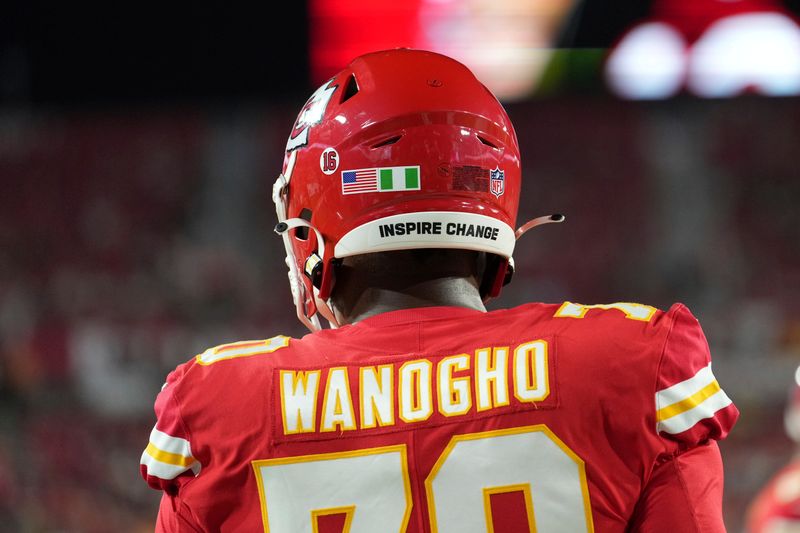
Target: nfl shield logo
{"x": 497, "y": 182}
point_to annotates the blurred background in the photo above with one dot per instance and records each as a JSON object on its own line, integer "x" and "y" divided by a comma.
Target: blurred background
{"x": 138, "y": 145}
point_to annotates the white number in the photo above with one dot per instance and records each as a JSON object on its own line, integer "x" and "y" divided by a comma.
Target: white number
{"x": 371, "y": 487}
{"x": 530, "y": 459}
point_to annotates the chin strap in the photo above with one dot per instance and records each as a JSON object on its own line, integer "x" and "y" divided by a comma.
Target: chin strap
{"x": 296, "y": 284}
{"x": 538, "y": 221}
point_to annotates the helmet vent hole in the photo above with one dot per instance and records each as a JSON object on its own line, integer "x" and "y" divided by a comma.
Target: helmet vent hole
{"x": 386, "y": 142}
{"x": 487, "y": 142}
{"x": 350, "y": 89}
{"x": 301, "y": 232}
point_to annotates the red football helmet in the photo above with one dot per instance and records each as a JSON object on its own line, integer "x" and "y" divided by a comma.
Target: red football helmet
{"x": 402, "y": 149}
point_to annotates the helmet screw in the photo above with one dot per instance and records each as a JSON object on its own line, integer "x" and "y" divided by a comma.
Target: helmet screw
{"x": 280, "y": 227}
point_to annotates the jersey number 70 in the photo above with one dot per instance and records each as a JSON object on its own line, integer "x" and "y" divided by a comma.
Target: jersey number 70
{"x": 372, "y": 488}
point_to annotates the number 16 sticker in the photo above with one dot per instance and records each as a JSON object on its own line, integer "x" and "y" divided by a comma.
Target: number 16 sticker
{"x": 329, "y": 161}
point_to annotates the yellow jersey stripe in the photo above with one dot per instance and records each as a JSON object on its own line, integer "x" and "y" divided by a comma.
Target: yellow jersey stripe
{"x": 168, "y": 458}
{"x": 688, "y": 403}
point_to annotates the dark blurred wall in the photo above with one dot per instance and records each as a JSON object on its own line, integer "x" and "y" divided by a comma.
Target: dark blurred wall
{"x": 54, "y": 53}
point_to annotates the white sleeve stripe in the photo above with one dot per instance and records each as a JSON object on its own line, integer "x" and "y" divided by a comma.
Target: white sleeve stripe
{"x": 164, "y": 470}
{"x": 684, "y": 389}
{"x": 782, "y": 525}
{"x": 687, "y": 419}
{"x": 170, "y": 444}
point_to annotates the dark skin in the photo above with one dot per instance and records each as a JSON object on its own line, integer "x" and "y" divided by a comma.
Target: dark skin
{"x": 371, "y": 284}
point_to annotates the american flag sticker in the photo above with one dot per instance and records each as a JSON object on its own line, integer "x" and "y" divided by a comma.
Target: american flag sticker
{"x": 359, "y": 181}
{"x": 385, "y": 179}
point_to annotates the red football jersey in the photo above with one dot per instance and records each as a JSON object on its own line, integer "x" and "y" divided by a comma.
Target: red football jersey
{"x": 544, "y": 418}
{"x": 777, "y": 508}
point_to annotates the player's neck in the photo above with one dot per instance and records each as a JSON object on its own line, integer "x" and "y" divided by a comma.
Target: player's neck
{"x": 450, "y": 291}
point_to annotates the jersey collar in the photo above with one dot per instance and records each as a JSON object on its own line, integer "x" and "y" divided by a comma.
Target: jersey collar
{"x": 417, "y": 314}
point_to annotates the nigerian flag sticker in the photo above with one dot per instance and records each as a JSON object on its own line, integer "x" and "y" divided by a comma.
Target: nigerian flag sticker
{"x": 384, "y": 179}
{"x": 398, "y": 179}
